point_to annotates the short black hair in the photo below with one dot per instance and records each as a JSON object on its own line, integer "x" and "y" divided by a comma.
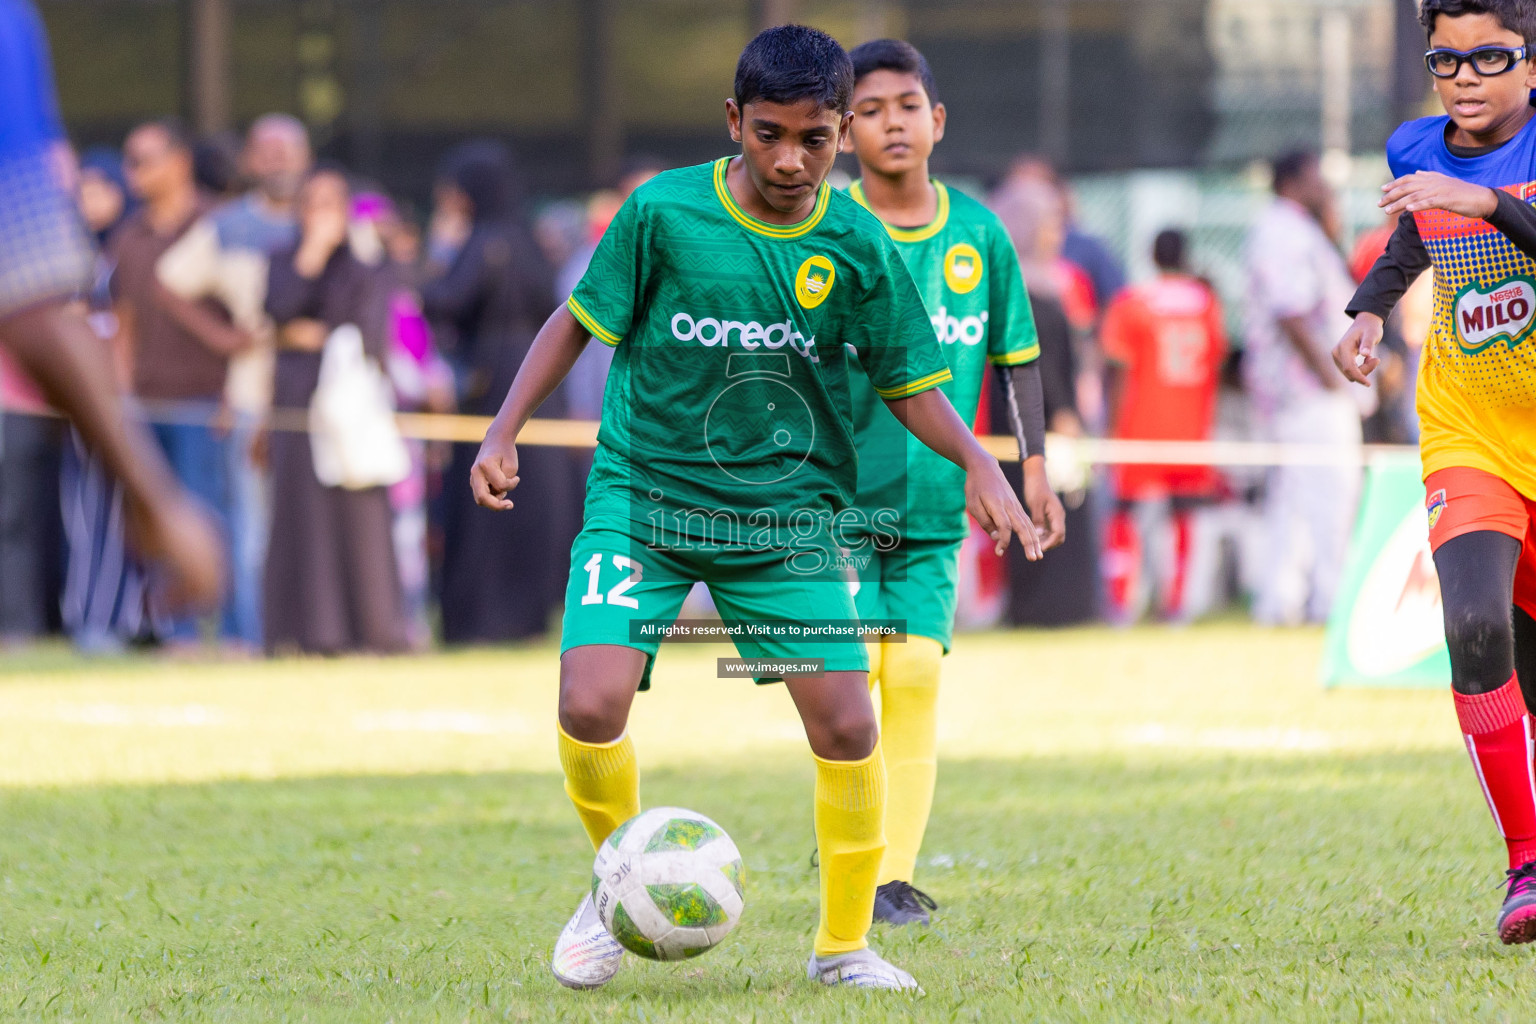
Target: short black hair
{"x": 793, "y": 63}
{"x": 216, "y": 164}
{"x": 1515, "y": 15}
{"x": 177, "y": 134}
{"x": 1168, "y": 249}
{"x": 893, "y": 55}
{"x": 1292, "y": 164}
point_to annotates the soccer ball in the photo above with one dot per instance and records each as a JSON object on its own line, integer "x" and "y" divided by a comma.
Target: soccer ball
{"x": 668, "y": 884}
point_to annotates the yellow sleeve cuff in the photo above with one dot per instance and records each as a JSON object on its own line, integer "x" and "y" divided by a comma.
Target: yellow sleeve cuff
{"x": 1019, "y": 358}
{"x": 911, "y": 388}
{"x": 590, "y": 322}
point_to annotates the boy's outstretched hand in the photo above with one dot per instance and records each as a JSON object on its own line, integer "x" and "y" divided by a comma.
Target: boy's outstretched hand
{"x": 494, "y": 473}
{"x": 1430, "y": 190}
{"x": 991, "y": 501}
{"x": 988, "y": 498}
{"x": 1355, "y": 354}
{"x": 554, "y": 351}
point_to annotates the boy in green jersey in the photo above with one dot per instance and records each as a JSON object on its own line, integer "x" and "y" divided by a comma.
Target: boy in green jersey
{"x": 732, "y": 293}
{"x": 965, "y": 268}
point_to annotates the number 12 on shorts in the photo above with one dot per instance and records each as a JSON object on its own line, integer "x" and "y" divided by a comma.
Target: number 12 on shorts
{"x": 616, "y": 593}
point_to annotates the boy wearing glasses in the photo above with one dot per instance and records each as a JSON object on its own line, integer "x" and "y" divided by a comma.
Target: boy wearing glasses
{"x": 1463, "y": 187}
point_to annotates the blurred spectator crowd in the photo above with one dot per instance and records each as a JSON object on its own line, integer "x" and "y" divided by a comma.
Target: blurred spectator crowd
{"x": 265, "y": 312}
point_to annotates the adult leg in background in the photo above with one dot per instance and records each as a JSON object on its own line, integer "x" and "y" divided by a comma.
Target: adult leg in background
{"x": 249, "y": 527}
{"x": 1330, "y": 500}
{"x": 197, "y": 459}
{"x": 24, "y": 551}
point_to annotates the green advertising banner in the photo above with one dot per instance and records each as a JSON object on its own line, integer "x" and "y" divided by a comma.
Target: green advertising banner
{"x": 1386, "y": 629}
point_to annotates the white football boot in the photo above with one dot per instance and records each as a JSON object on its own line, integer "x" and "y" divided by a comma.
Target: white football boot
{"x": 586, "y": 956}
{"x": 863, "y": 968}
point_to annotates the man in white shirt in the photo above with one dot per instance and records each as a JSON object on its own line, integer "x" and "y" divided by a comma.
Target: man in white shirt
{"x": 225, "y": 256}
{"x": 1298, "y": 287}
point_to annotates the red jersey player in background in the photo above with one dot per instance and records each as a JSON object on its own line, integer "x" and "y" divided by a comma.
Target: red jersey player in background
{"x": 1164, "y": 343}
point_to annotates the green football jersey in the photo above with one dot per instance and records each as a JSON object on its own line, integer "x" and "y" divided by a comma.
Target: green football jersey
{"x": 727, "y": 409}
{"x": 968, "y": 273}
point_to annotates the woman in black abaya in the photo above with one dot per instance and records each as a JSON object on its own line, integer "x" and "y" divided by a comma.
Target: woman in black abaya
{"x": 502, "y": 572}
{"x": 1063, "y": 588}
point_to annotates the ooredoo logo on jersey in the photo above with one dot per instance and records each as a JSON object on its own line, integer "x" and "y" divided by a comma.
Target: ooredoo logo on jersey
{"x": 968, "y": 330}
{"x": 748, "y": 334}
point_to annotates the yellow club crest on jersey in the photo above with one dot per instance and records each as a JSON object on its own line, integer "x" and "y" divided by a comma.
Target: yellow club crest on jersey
{"x": 814, "y": 281}
{"x": 962, "y": 268}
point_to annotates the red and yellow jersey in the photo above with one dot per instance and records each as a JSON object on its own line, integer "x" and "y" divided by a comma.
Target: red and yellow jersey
{"x": 1477, "y": 378}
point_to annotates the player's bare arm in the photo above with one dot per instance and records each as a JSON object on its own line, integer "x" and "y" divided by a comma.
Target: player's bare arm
{"x": 558, "y": 345}
{"x": 1431, "y": 190}
{"x": 1355, "y": 354}
{"x": 988, "y": 496}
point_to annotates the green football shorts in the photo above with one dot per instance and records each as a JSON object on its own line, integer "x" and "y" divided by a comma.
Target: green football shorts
{"x": 617, "y": 583}
{"x": 917, "y": 581}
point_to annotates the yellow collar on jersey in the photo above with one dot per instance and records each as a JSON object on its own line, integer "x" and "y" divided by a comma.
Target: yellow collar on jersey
{"x": 762, "y": 227}
{"x": 922, "y": 234}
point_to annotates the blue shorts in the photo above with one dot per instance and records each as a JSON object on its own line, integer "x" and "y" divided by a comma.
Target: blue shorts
{"x": 45, "y": 252}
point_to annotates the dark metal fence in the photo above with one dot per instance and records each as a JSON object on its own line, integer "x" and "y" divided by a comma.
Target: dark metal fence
{"x": 1095, "y": 85}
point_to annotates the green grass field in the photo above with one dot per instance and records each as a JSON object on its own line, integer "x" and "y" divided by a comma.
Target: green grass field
{"x": 1142, "y": 825}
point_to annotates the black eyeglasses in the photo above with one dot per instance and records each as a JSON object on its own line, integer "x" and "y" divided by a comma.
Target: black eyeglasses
{"x": 1486, "y": 60}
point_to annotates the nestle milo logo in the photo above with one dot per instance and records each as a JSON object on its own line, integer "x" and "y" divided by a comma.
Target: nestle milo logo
{"x": 1506, "y": 313}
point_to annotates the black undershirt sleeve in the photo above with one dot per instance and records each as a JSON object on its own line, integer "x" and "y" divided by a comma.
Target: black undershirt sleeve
{"x": 1026, "y": 406}
{"x": 1392, "y": 273}
{"x": 1406, "y": 258}
{"x": 1516, "y": 220}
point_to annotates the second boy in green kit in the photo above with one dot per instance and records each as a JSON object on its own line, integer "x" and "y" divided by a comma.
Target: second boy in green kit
{"x": 967, "y": 272}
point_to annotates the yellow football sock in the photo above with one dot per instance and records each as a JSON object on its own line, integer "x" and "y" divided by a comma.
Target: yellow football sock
{"x": 603, "y": 781}
{"x": 850, "y": 836}
{"x": 909, "y": 733}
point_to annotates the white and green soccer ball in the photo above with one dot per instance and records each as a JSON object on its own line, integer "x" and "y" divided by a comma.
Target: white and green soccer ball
{"x": 668, "y": 884}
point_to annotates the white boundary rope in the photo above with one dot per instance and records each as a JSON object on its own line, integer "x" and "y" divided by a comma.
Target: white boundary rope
{"x": 551, "y": 433}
